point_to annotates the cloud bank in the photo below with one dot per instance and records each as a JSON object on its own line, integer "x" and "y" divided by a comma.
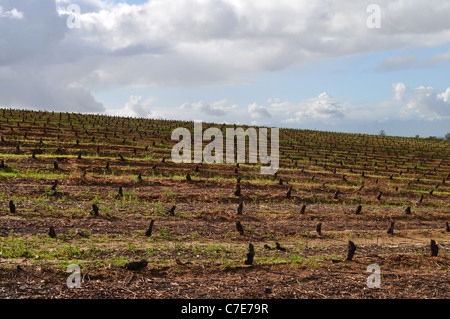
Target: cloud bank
{"x": 194, "y": 43}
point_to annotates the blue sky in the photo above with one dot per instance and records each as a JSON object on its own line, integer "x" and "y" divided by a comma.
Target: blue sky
{"x": 288, "y": 64}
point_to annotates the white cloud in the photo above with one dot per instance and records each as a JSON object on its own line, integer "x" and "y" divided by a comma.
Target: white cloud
{"x": 135, "y": 107}
{"x": 445, "y": 96}
{"x": 407, "y": 107}
{"x": 427, "y": 103}
{"x": 204, "y": 108}
{"x": 257, "y": 111}
{"x": 324, "y": 107}
{"x": 399, "y": 90}
{"x": 45, "y": 90}
{"x": 35, "y": 72}
{"x": 193, "y": 43}
{"x": 214, "y": 109}
{"x": 11, "y": 14}
{"x": 31, "y": 37}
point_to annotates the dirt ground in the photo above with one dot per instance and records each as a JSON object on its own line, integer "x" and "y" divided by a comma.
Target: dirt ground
{"x": 407, "y": 270}
{"x": 197, "y": 252}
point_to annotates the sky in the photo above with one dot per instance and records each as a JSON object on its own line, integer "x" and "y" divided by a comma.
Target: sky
{"x": 331, "y": 65}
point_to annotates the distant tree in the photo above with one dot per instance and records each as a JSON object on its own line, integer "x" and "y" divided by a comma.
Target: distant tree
{"x": 417, "y": 136}
{"x": 447, "y": 136}
{"x": 382, "y": 133}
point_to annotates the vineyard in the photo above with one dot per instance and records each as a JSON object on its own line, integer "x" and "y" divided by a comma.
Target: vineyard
{"x": 102, "y": 192}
